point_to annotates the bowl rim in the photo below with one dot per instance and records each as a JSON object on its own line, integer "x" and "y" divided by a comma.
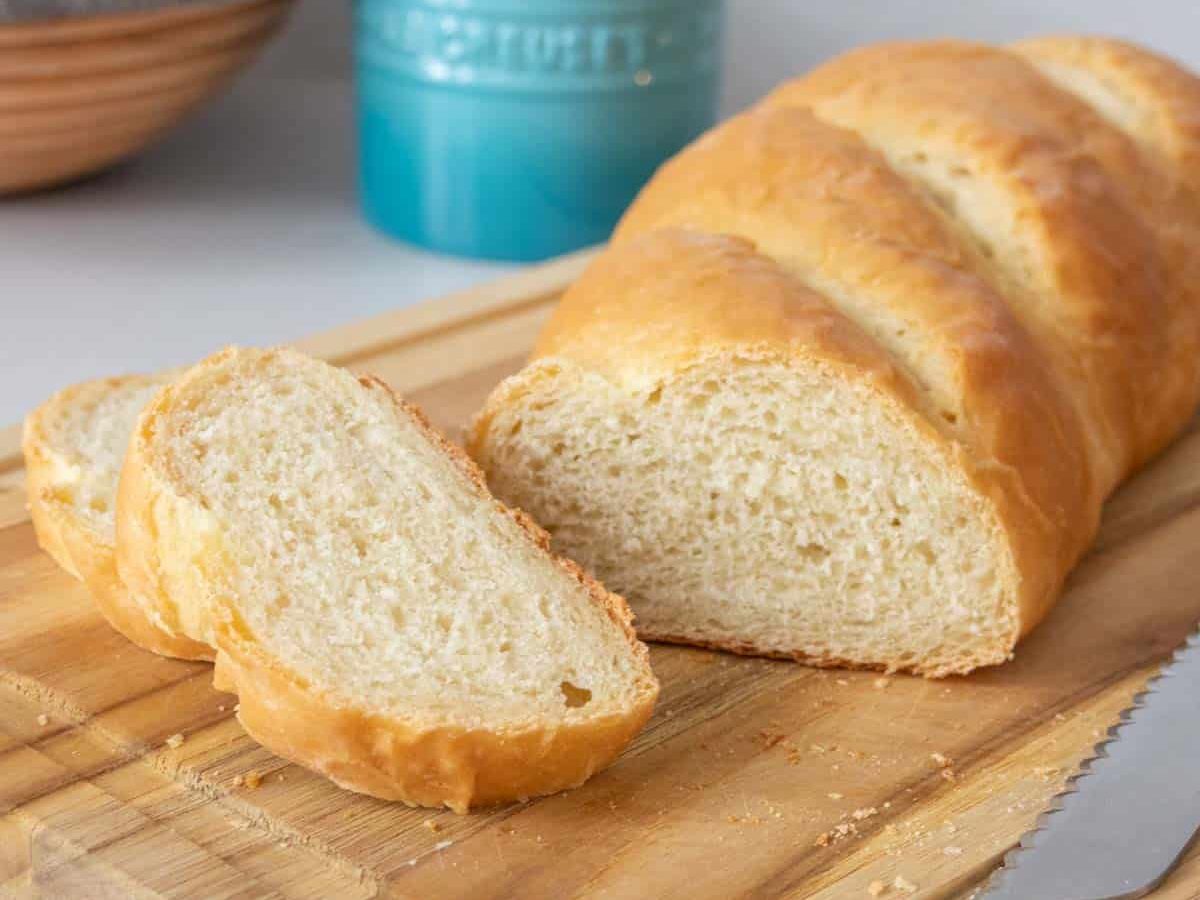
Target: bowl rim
{"x": 102, "y": 25}
{"x": 63, "y": 12}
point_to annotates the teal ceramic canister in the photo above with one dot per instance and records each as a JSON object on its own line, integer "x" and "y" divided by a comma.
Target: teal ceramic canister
{"x": 520, "y": 129}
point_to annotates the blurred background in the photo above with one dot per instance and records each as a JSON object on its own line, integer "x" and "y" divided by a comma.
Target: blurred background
{"x": 243, "y": 225}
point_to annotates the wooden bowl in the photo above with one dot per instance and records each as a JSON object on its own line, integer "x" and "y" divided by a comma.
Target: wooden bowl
{"x": 79, "y": 94}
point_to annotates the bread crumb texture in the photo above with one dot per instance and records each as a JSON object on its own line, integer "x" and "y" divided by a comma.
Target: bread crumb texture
{"x": 370, "y": 565}
{"x": 726, "y": 518}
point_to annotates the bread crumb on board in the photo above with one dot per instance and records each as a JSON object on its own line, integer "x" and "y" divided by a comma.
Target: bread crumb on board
{"x": 175, "y": 741}
{"x": 432, "y": 826}
{"x": 769, "y": 738}
{"x": 876, "y": 888}
{"x": 903, "y": 884}
{"x": 745, "y": 820}
{"x": 43, "y": 719}
{"x": 835, "y": 834}
{"x": 250, "y": 780}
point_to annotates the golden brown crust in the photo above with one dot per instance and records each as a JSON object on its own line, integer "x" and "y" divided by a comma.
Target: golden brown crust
{"x": 387, "y": 757}
{"x": 75, "y": 545}
{"x": 1156, "y": 103}
{"x": 420, "y": 765}
{"x": 1157, "y": 98}
{"x": 742, "y": 648}
{"x": 1078, "y": 189}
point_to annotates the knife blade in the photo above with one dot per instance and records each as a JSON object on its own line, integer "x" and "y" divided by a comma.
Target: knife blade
{"x": 1127, "y": 817}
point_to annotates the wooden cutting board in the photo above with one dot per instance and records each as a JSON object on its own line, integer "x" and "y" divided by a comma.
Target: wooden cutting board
{"x": 754, "y": 777}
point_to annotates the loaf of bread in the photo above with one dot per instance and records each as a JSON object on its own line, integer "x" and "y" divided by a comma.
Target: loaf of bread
{"x": 74, "y": 444}
{"x": 862, "y": 364}
{"x": 381, "y": 617}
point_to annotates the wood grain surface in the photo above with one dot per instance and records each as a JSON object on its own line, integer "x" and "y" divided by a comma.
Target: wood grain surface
{"x": 754, "y": 778}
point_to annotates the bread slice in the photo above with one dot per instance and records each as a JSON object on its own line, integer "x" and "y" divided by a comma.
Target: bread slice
{"x": 382, "y": 618}
{"x": 74, "y": 444}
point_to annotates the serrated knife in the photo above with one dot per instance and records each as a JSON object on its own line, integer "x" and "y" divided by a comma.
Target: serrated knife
{"x": 1127, "y": 817}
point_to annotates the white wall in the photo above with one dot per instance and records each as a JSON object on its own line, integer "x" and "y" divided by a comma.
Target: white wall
{"x": 768, "y": 40}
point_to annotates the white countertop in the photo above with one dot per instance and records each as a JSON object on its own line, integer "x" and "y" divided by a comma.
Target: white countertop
{"x": 242, "y": 226}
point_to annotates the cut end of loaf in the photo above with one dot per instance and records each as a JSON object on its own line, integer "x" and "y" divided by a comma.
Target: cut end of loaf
{"x": 355, "y": 572}
{"x": 763, "y": 506}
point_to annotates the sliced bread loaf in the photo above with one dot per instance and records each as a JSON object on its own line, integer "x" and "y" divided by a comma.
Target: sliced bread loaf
{"x": 74, "y": 444}
{"x": 382, "y": 618}
{"x": 861, "y": 364}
